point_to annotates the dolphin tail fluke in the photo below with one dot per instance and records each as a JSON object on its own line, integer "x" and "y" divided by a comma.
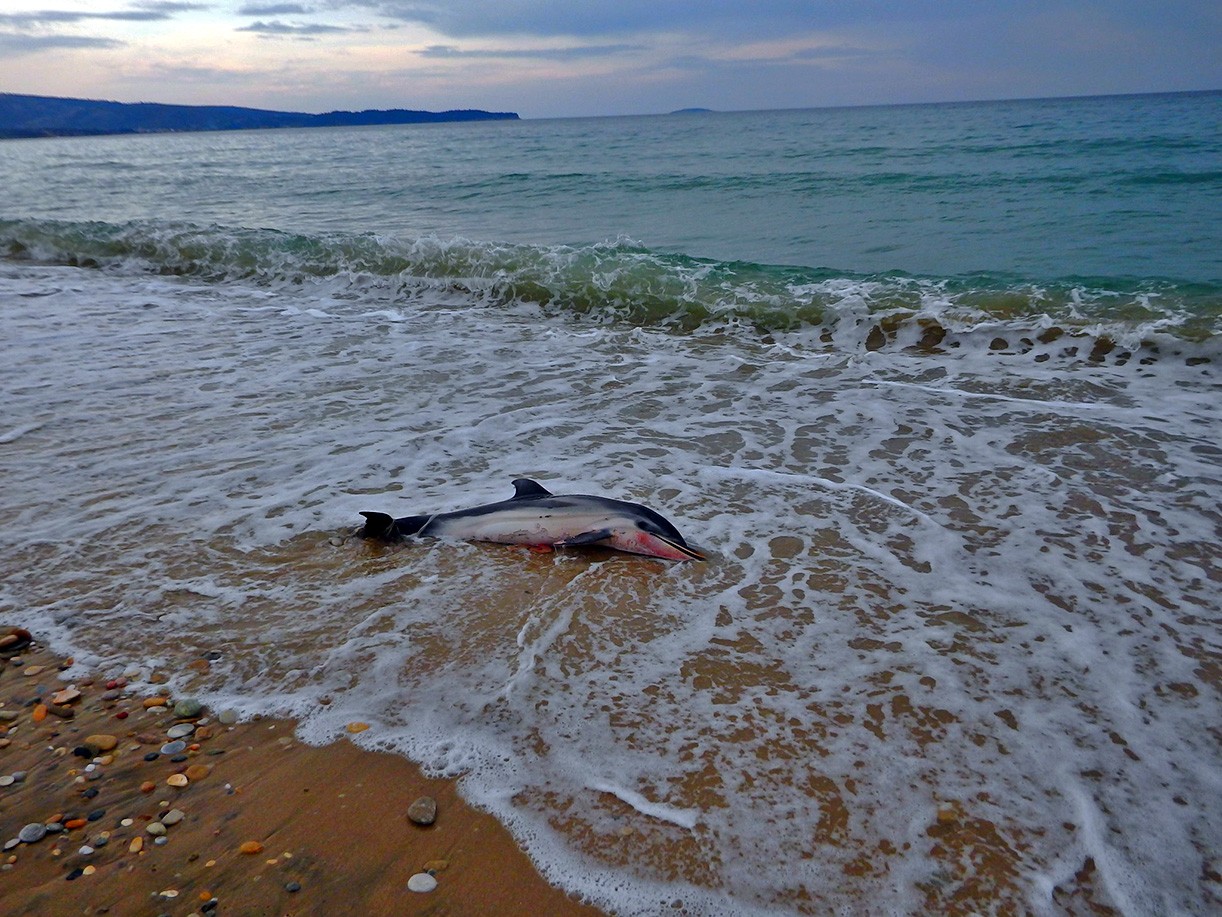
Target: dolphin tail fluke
{"x": 380, "y": 526}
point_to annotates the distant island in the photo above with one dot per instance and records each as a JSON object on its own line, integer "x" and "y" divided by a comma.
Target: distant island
{"x": 48, "y": 116}
{"x": 691, "y": 111}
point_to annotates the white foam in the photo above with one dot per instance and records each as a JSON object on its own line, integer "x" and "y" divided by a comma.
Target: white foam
{"x": 935, "y": 577}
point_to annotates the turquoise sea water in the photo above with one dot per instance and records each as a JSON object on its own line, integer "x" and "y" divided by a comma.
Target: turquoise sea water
{"x": 935, "y": 386}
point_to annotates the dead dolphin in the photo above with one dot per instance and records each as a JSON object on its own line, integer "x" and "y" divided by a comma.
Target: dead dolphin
{"x": 536, "y": 516}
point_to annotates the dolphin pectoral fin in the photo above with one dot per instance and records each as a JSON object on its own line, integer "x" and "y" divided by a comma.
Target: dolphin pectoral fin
{"x": 525, "y": 488}
{"x": 378, "y": 525}
{"x": 586, "y": 538}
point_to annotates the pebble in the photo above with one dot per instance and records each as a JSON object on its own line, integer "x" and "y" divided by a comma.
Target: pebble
{"x": 181, "y": 731}
{"x": 148, "y": 786}
{"x": 251, "y": 847}
{"x": 198, "y": 772}
{"x": 421, "y": 882}
{"x": 64, "y": 713}
{"x": 7, "y": 780}
{"x": 151, "y": 702}
{"x": 173, "y": 748}
{"x": 292, "y": 886}
{"x": 188, "y": 708}
{"x": 152, "y": 756}
{"x": 155, "y": 828}
{"x": 159, "y": 841}
{"x": 85, "y": 851}
{"x": 357, "y": 727}
{"x": 7, "y": 716}
{"x": 423, "y": 811}
{"x": 179, "y": 780}
{"x": 66, "y": 696}
{"x": 32, "y": 833}
{"x": 136, "y": 845}
{"x": 228, "y": 717}
{"x": 173, "y": 817}
{"x": 113, "y": 694}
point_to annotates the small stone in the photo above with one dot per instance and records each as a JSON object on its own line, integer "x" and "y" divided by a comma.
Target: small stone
{"x": 357, "y": 727}
{"x": 32, "y": 833}
{"x": 179, "y": 780}
{"x": 148, "y": 786}
{"x": 433, "y": 866}
{"x": 8, "y": 716}
{"x": 150, "y": 702}
{"x": 155, "y": 828}
{"x": 152, "y": 756}
{"x": 251, "y": 847}
{"x": 423, "y": 811}
{"x": 101, "y": 840}
{"x": 136, "y": 845}
{"x": 40, "y": 713}
{"x": 66, "y": 696}
{"x": 114, "y": 694}
{"x": 421, "y": 882}
{"x": 185, "y": 709}
{"x": 173, "y": 817}
{"x": 228, "y": 717}
{"x": 85, "y": 851}
{"x": 161, "y": 841}
{"x": 89, "y": 870}
{"x": 64, "y": 713}
{"x": 292, "y": 886}
{"x": 33, "y": 670}
{"x": 96, "y": 815}
{"x": 170, "y": 893}
{"x": 181, "y": 731}
{"x": 198, "y": 772}
{"x": 7, "y": 780}
{"x": 73, "y": 823}
{"x": 127, "y": 823}
{"x": 173, "y": 748}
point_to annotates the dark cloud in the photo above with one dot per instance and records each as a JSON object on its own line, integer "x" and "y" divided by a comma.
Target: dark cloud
{"x": 273, "y": 9}
{"x": 143, "y": 12}
{"x": 18, "y": 43}
{"x": 278, "y": 29}
{"x": 572, "y": 53}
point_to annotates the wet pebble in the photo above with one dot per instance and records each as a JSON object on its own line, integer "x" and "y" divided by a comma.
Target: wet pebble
{"x": 152, "y": 756}
{"x": 173, "y": 817}
{"x": 228, "y": 717}
{"x": 188, "y": 708}
{"x": 32, "y": 833}
{"x": 173, "y": 748}
{"x": 421, "y": 882}
{"x": 292, "y": 886}
{"x": 181, "y": 731}
{"x": 155, "y": 828}
{"x": 423, "y": 811}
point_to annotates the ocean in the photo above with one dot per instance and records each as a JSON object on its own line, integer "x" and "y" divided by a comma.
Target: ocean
{"x": 935, "y": 387}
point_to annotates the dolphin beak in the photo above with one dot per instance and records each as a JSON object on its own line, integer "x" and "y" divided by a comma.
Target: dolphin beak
{"x": 683, "y": 549}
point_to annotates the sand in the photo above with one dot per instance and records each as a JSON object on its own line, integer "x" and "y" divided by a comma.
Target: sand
{"x": 330, "y": 823}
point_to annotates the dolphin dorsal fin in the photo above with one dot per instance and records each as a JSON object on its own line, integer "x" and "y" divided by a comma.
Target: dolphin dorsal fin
{"x": 525, "y": 488}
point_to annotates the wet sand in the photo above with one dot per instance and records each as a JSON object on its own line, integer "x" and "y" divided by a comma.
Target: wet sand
{"x": 327, "y": 828}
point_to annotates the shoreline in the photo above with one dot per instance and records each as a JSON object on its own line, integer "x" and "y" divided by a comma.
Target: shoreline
{"x": 267, "y": 825}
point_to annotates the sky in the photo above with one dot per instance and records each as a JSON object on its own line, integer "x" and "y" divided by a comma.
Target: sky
{"x": 574, "y": 58}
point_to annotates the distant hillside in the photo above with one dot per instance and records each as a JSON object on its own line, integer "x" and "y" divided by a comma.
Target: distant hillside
{"x": 46, "y": 116}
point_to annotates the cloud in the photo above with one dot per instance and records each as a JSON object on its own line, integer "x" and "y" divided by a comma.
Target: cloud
{"x": 273, "y": 9}
{"x": 277, "y": 29}
{"x": 143, "y": 12}
{"x": 567, "y": 53}
{"x": 18, "y": 43}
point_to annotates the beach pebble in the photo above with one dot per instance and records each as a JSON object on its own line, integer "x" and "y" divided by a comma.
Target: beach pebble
{"x": 198, "y": 772}
{"x": 292, "y": 886}
{"x": 173, "y": 748}
{"x": 32, "y": 833}
{"x": 173, "y": 817}
{"x": 66, "y": 695}
{"x": 181, "y": 731}
{"x": 421, "y": 882}
{"x": 7, "y": 716}
{"x": 7, "y": 780}
{"x": 423, "y": 811}
{"x": 179, "y": 780}
{"x": 228, "y": 717}
{"x": 85, "y": 851}
{"x": 155, "y": 828}
{"x": 136, "y": 845}
{"x": 251, "y": 847}
{"x": 150, "y": 702}
{"x": 188, "y": 708}
{"x": 357, "y": 727}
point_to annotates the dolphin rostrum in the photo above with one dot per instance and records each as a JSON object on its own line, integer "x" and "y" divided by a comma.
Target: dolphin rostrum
{"x": 536, "y": 516}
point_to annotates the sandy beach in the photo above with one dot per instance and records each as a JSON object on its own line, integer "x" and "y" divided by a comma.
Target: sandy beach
{"x": 261, "y": 823}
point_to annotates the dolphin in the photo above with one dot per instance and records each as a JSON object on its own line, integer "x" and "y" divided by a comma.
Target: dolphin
{"x": 536, "y": 516}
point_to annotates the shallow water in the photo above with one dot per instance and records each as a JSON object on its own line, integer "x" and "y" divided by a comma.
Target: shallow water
{"x": 969, "y": 582}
